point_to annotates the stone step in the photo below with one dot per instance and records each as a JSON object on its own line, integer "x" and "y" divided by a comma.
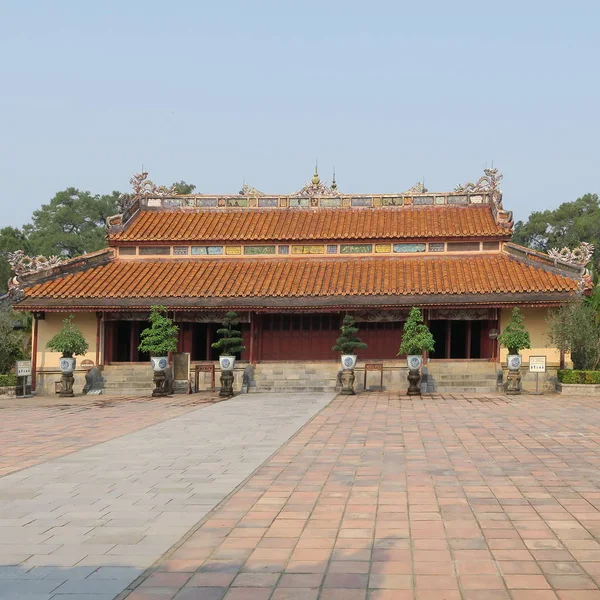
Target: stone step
{"x": 291, "y": 389}
{"x": 466, "y": 390}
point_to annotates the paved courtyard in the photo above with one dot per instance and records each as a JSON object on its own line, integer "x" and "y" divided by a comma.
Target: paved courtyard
{"x": 378, "y": 497}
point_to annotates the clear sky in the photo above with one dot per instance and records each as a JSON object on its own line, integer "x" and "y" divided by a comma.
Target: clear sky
{"x": 215, "y": 92}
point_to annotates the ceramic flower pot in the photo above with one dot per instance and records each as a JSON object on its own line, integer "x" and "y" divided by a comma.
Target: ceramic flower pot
{"x": 159, "y": 363}
{"x": 414, "y": 361}
{"x": 227, "y": 363}
{"x": 67, "y": 365}
{"x": 348, "y": 361}
{"x": 514, "y": 361}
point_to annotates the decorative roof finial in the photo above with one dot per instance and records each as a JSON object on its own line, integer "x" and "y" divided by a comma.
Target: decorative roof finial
{"x": 316, "y": 179}
{"x": 333, "y": 181}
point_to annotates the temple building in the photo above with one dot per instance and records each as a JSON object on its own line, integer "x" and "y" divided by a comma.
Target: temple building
{"x": 292, "y": 266}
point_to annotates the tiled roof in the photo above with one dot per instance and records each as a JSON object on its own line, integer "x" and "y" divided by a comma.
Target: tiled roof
{"x": 321, "y": 224}
{"x": 302, "y": 278}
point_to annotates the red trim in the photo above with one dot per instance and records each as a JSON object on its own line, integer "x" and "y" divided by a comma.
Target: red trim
{"x": 98, "y": 325}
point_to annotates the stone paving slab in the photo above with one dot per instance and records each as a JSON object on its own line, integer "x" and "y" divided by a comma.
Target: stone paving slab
{"x": 38, "y": 429}
{"x": 87, "y": 524}
{"x": 383, "y": 497}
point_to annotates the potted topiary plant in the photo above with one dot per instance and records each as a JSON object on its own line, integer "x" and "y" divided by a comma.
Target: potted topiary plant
{"x": 229, "y": 344}
{"x": 416, "y": 338}
{"x": 70, "y": 342}
{"x": 347, "y": 344}
{"x": 158, "y": 340}
{"x": 514, "y": 338}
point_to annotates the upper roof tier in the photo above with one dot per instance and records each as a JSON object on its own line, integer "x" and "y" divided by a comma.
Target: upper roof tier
{"x": 316, "y": 212}
{"x": 327, "y": 224}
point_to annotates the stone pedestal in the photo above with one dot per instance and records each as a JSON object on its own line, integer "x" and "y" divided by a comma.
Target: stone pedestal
{"x": 348, "y": 382}
{"x": 160, "y": 384}
{"x": 414, "y": 378}
{"x": 66, "y": 386}
{"x": 226, "y": 384}
{"x": 513, "y": 382}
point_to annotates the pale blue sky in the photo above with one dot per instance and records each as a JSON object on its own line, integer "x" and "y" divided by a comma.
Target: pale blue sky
{"x": 212, "y": 92}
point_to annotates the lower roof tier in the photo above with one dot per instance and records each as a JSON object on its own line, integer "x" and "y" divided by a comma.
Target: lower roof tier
{"x": 499, "y": 278}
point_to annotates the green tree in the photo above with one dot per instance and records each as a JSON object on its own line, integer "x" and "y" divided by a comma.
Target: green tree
{"x": 182, "y": 188}
{"x": 575, "y": 328}
{"x": 568, "y": 225}
{"x": 11, "y": 239}
{"x": 11, "y": 339}
{"x": 416, "y": 336}
{"x": 231, "y": 341}
{"x": 73, "y": 223}
{"x": 161, "y": 337}
{"x": 69, "y": 340}
{"x": 515, "y": 337}
{"x": 348, "y": 342}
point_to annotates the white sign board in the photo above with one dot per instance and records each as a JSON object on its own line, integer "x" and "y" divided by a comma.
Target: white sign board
{"x": 537, "y": 364}
{"x": 23, "y": 368}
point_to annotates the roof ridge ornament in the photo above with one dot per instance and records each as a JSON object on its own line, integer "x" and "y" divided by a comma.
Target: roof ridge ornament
{"x": 578, "y": 257}
{"x": 21, "y": 264}
{"x": 248, "y": 190}
{"x": 316, "y": 187}
{"x": 488, "y": 182}
{"x": 418, "y": 188}
{"x": 142, "y": 186}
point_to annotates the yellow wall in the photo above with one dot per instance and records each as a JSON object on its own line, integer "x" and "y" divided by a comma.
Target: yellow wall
{"x": 48, "y": 327}
{"x": 535, "y": 323}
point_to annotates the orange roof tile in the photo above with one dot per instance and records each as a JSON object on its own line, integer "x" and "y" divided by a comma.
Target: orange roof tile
{"x": 305, "y": 224}
{"x": 276, "y": 278}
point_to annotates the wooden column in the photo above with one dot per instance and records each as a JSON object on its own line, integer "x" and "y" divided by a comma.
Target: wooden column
{"x": 448, "y": 337}
{"x": 34, "y": 352}
{"x": 208, "y": 340}
{"x": 426, "y": 321}
{"x": 469, "y": 335}
{"x": 98, "y": 326}
{"x": 132, "y": 338}
{"x": 252, "y": 343}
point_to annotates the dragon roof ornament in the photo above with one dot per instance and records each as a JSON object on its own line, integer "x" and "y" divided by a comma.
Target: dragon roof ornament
{"x": 578, "y": 257}
{"x": 21, "y": 264}
{"x": 418, "y": 188}
{"x": 488, "y": 182}
{"x": 142, "y": 186}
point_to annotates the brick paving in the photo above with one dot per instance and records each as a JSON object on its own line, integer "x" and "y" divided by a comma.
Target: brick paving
{"x": 388, "y": 498}
{"x": 35, "y": 430}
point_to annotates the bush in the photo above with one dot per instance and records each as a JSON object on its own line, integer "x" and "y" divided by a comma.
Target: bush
{"x": 161, "y": 337}
{"x": 416, "y": 336}
{"x": 69, "y": 340}
{"x": 231, "y": 341}
{"x": 349, "y": 341}
{"x": 575, "y": 376}
{"x": 515, "y": 337}
{"x": 9, "y": 380}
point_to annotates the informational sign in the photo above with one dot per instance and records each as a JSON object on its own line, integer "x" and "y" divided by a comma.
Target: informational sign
{"x": 537, "y": 364}
{"x": 23, "y": 368}
{"x": 87, "y": 363}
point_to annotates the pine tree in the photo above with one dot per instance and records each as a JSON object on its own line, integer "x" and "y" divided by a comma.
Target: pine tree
{"x": 515, "y": 337}
{"x": 231, "y": 341}
{"x": 348, "y": 342}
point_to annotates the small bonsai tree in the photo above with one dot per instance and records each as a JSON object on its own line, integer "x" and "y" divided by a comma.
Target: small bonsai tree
{"x": 348, "y": 342}
{"x": 416, "y": 336}
{"x": 231, "y": 341}
{"x": 69, "y": 340}
{"x": 161, "y": 337}
{"x": 515, "y": 337}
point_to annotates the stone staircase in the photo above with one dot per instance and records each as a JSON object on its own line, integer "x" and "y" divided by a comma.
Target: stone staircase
{"x": 474, "y": 377}
{"x": 128, "y": 379}
{"x": 294, "y": 377}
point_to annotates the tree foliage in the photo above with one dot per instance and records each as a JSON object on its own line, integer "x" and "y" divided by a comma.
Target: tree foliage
{"x": 183, "y": 188}
{"x": 348, "y": 342}
{"x": 416, "y": 336}
{"x": 231, "y": 341}
{"x": 568, "y": 225}
{"x": 575, "y": 328}
{"x": 73, "y": 223}
{"x": 11, "y": 340}
{"x": 69, "y": 340}
{"x": 515, "y": 337}
{"x": 161, "y": 337}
